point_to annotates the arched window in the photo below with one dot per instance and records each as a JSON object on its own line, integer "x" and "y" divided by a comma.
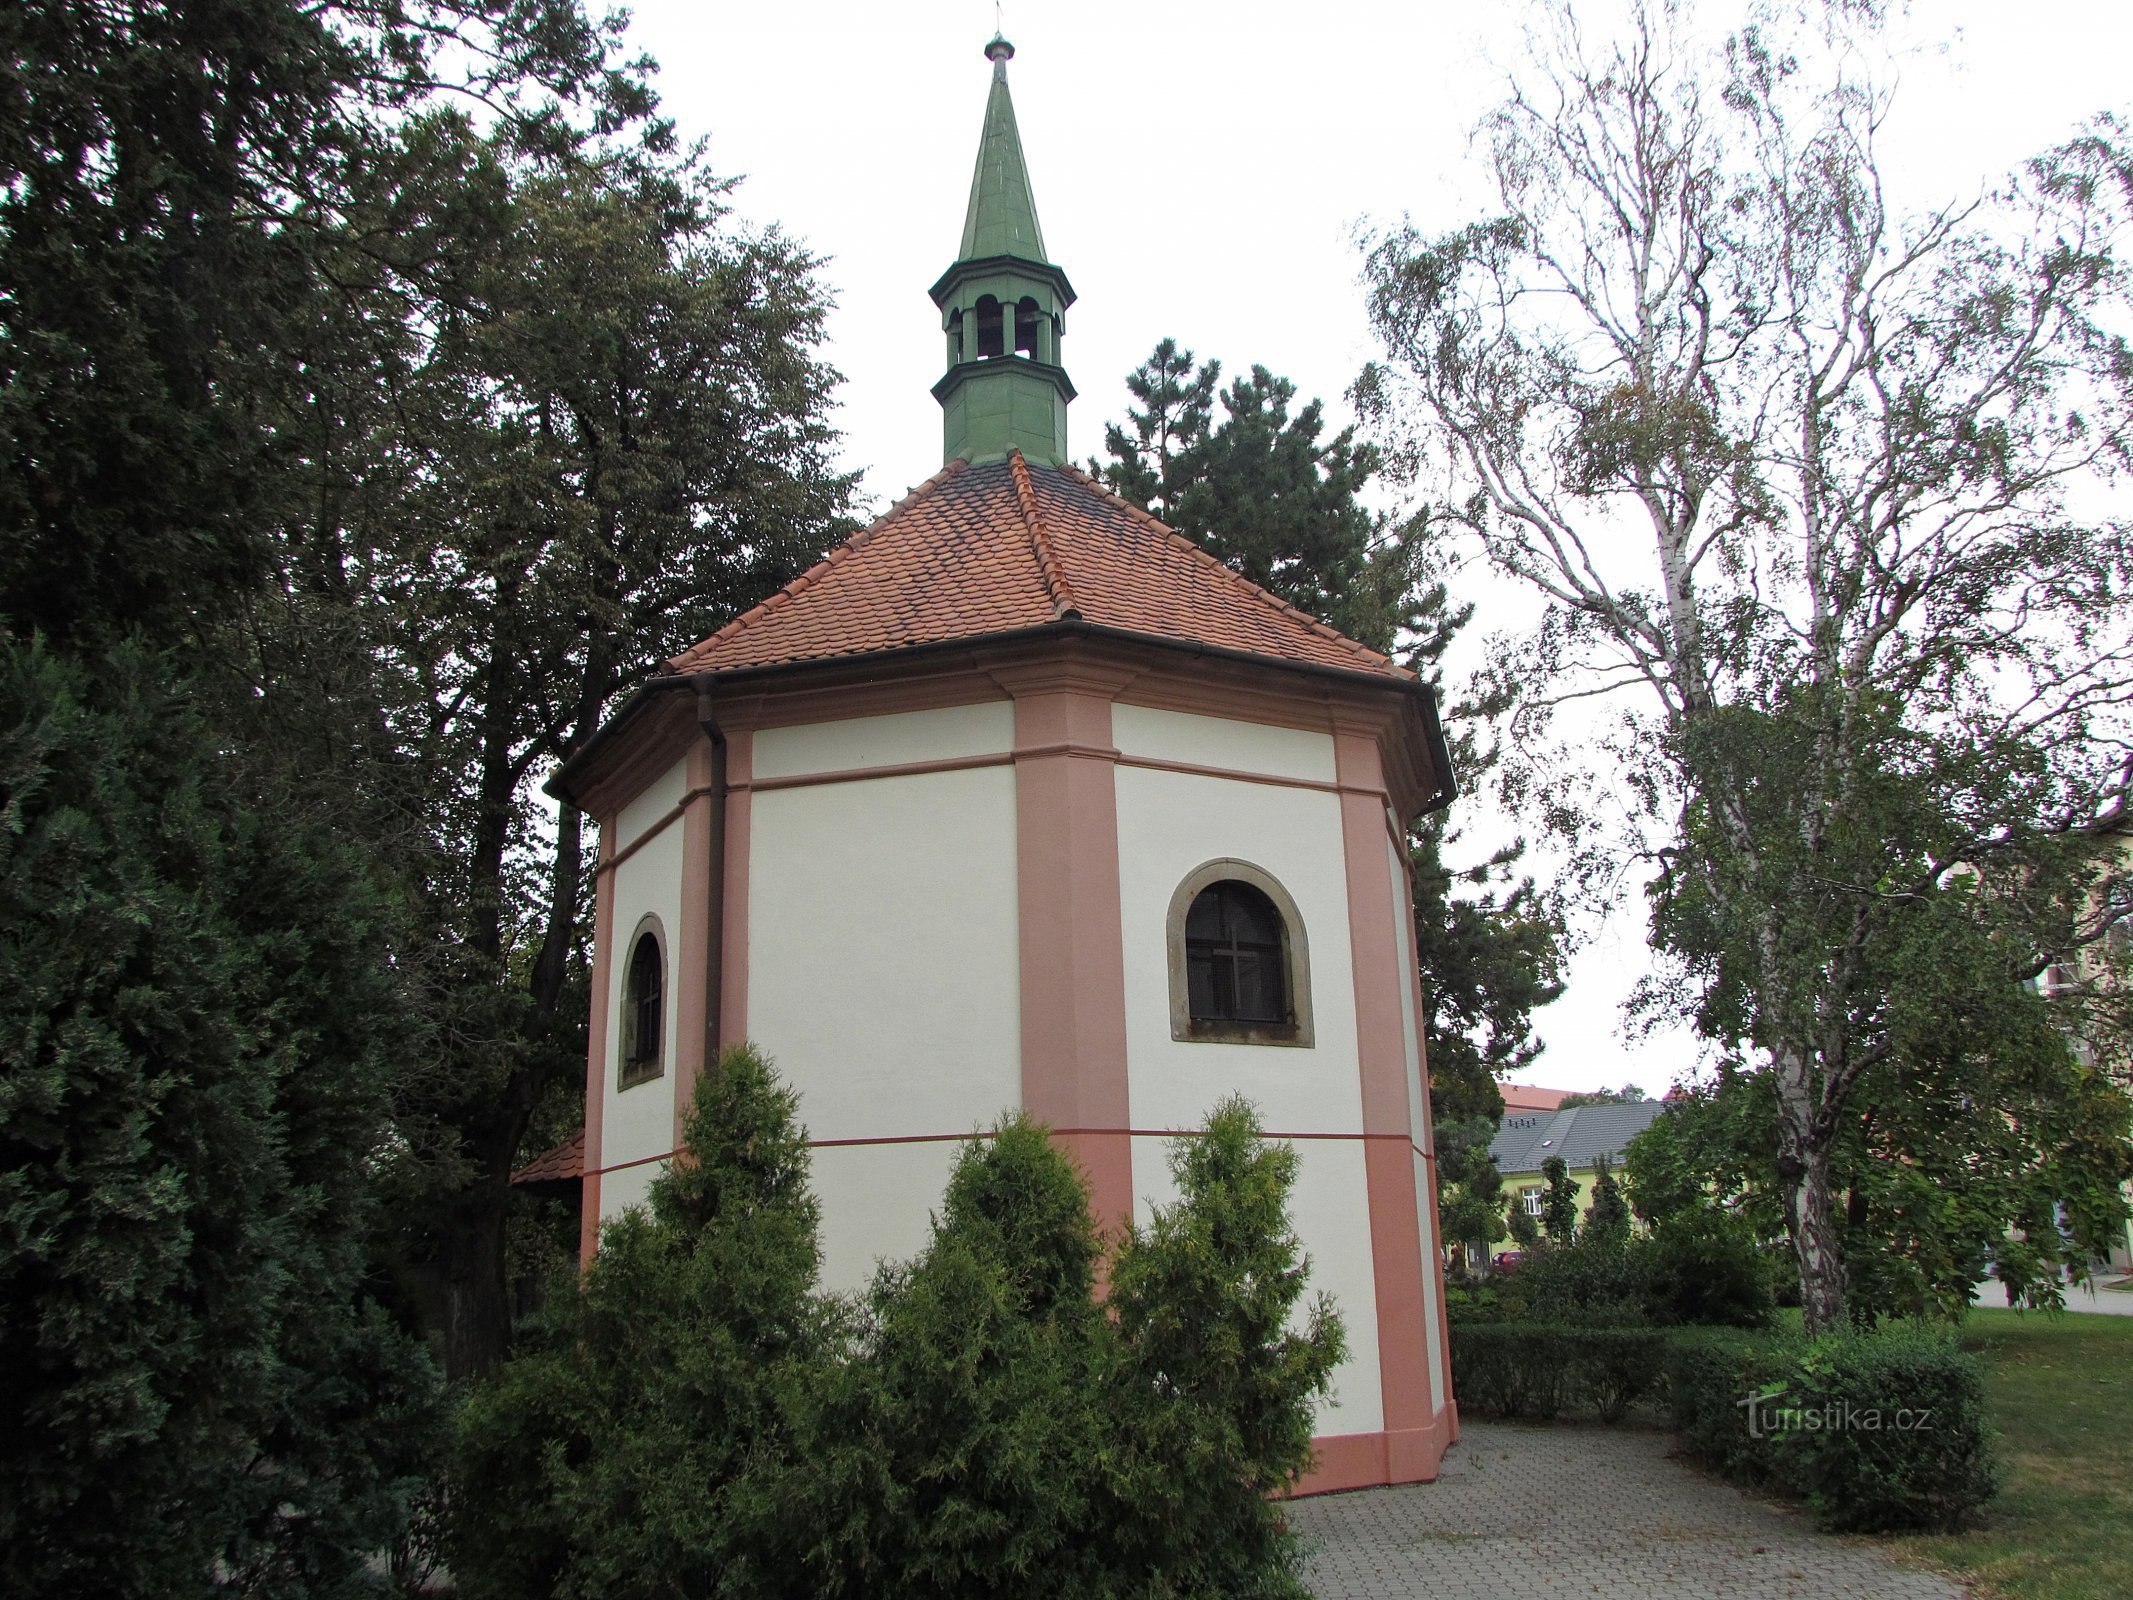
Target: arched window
{"x": 1240, "y": 970}
{"x": 644, "y": 1029}
{"x": 955, "y": 337}
{"x": 991, "y": 340}
{"x": 1234, "y": 971}
{"x": 1026, "y": 328}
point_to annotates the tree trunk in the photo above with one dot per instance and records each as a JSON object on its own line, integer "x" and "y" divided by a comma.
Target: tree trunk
{"x": 477, "y": 1302}
{"x": 552, "y": 966}
{"x": 1810, "y": 1201}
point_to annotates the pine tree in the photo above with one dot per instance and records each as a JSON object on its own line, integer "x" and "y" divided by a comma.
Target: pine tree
{"x": 1263, "y": 491}
{"x": 1175, "y": 405}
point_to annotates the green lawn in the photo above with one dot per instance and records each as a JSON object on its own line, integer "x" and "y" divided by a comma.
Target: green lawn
{"x": 2061, "y": 1394}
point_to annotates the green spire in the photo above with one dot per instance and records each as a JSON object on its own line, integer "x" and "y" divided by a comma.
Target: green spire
{"x": 1003, "y": 307}
{"x": 1002, "y": 219}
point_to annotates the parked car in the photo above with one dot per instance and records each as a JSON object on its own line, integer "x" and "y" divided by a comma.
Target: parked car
{"x": 1507, "y": 1260}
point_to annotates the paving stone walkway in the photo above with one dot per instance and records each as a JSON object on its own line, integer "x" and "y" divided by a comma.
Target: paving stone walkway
{"x": 1533, "y": 1513}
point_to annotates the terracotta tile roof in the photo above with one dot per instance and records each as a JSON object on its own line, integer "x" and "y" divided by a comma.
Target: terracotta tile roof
{"x": 560, "y": 1165}
{"x": 1530, "y": 1097}
{"x": 1006, "y": 546}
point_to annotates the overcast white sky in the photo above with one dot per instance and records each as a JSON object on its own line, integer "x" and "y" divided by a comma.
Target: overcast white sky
{"x": 1200, "y": 170}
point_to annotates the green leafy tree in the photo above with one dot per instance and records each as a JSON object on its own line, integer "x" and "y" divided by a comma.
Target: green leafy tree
{"x": 580, "y": 425}
{"x": 1931, "y": 1203}
{"x": 1559, "y": 1203}
{"x": 1806, "y": 476}
{"x": 1695, "y": 1155}
{"x": 166, "y": 176}
{"x": 202, "y": 1394}
{"x": 1607, "y": 1218}
{"x": 1628, "y": 1095}
{"x": 1524, "y": 1226}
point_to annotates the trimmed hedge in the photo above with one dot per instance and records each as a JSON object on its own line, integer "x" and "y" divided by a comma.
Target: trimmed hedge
{"x": 1700, "y": 1271}
{"x": 1929, "y": 1464}
{"x": 1540, "y": 1370}
{"x": 1876, "y": 1431}
{"x": 1708, "y": 1373}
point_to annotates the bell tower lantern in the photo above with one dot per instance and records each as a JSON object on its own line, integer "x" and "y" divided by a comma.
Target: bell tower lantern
{"x": 1003, "y": 308}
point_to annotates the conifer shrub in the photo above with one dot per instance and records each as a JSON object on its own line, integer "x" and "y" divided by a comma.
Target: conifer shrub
{"x": 1559, "y": 1203}
{"x": 1219, "y": 1374}
{"x": 985, "y": 1375}
{"x": 1523, "y": 1225}
{"x": 635, "y": 1444}
{"x": 198, "y": 1023}
{"x": 1607, "y": 1218}
{"x": 693, "y": 1419}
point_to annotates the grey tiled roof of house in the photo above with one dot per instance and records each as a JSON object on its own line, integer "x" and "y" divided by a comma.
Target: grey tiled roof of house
{"x": 1579, "y": 1135}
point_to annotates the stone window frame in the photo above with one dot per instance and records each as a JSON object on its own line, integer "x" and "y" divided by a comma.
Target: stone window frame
{"x": 630, "y": 1073}
{"x": 1297, "y": 1032}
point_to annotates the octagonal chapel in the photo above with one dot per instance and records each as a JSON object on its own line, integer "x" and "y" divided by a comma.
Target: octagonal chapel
{"x": 1020, "y": 799}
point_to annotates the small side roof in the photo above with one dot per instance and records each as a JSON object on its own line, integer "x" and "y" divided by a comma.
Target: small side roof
{"x": 565, "y": 1164}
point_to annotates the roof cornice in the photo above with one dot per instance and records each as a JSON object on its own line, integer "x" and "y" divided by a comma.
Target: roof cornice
{"x": 1004, "y": 266}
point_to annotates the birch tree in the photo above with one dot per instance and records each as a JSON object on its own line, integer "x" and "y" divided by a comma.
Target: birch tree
{"x": 1814, "y": 493}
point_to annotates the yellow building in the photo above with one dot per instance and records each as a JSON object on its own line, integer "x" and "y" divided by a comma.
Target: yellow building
{"x": 1580, "y": 1136}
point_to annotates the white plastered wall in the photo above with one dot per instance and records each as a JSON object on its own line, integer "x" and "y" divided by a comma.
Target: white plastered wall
{"x": 632, "y": 1186}
{"x": 884, "y": 974}
{"x": 1417, "y": 1121}
{"x": 1169, "y": 823}
{"x": 656, "y": 800}
{"x": 898, "y": 739}
{"x": 638, "y": 1122}
{"x": 1222, "y": 742}
{"x": 877, "y": 1203}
